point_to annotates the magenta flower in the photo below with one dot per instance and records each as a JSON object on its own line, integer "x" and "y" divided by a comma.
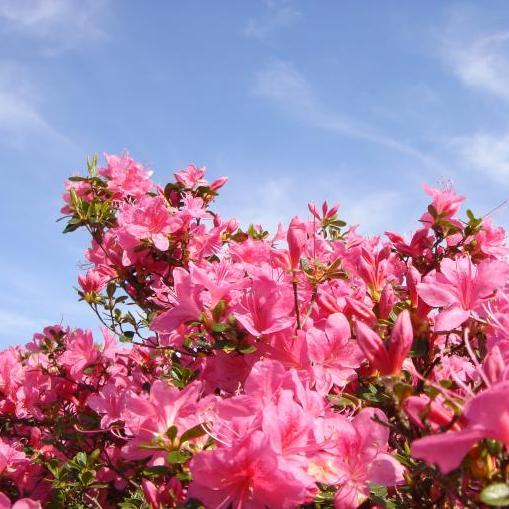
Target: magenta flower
{"x": 363, "y": 458}
{"x": 486, "y": 416}
{"x": 150, "y": 219}
{"x": 246, "y": 476}
{"x": 80, "y": 353}
{"x": 296, "y": 238}
{"x": 333, "y": 353}
{"x": 126, "y": 177}
{"x": 186, "y": 303}
{"x": 265, "y": 308}
{"x": 388, "y": 359}
{"x": 460, "y": 288}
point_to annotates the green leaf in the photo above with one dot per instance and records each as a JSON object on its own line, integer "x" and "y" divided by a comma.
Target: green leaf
{"x": 247, "y": 349}
{"x": 432, "y": 211}
{"x": 191, "y": 433}
{"x": 171, "y": 433}
{"x": 178, "y": 457}
{"x": 156, "y": 471}
{"x": 496, "y": 494}
{"x": 220, "y": 327}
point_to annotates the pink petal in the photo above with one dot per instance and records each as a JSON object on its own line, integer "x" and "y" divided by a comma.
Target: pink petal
{"x": 447, "y": 450}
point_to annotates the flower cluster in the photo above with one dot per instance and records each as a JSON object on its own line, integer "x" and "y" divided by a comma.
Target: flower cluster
{"x": 313, "y": 367}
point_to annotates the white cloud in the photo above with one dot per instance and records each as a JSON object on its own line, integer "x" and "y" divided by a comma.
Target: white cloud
{"x": 288, "y": 88}
{"x": 58, "y": 24}
{"x": 486, "y": 153}
{"x": 279, "y": 14}
{"x": 481, "y": 62}
{"x": 20, "y": 116}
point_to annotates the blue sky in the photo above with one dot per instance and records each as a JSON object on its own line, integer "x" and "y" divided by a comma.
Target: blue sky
{"x": 353, "y": 102}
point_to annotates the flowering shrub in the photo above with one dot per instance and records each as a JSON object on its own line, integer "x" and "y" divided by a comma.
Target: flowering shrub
{"x": 310, "y": 368}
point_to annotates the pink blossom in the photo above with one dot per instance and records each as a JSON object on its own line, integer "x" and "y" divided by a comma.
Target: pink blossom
{"x": 246, "y": 475}
{"x": 149, "y": 219}
{"x": 446, "y": 203}
{"x": 93, "y": 281}
{"x": 148, "y": 419}
{"x": 296, "y": 239}
{"x": 80, "y": 353}
{"x": 265, "y": 308}
{"x": 125, "y": 176}
{"x": 363, "y": 458}
{"x": 186, "y": 303}
{"x": 460, "y": 288}
{"x": 191, "y": 176}
{"x": 486, "y": 416}
{"x": 22, "y": 503}
{"x": 388, "y": 359}
{"x": 334, "y": 354}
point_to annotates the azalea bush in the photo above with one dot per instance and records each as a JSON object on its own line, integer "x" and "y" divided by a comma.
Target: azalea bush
{"x": 236, "y": 368}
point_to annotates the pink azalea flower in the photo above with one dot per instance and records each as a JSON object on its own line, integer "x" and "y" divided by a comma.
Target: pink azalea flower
{"x": 363, "y": 458}
{"x": 265, "y": 308}
{"x": 149, "y": 219}
{"x": 148, "y": 420}
{"x": 446, "y": 202}
{"x": 110, "y": 401}
{"x": 334, "y": 354}
{"x": 80, "y": 353}
{"x": 187, "y": 304}
{"x": 460, "y": 288}
{"x": 486, "y": 416}
{"x": 93, "y": 281}
{"x": 22, "y": 503}
{"x": 125, "y": 176}
{"x": 327, "y": 213}
{"x": 191, "y": 176}
{"x": 244, "y": 476}
{"x": 296, "y": 239}
{"x": 388, "y": 359}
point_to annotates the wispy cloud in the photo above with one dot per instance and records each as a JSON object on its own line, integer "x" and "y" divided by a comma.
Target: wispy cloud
{"x": 283, "y": 84}
{"x": 481, "y": 62}
{"x": 487, "y": 153}
{"x": 278, "y": 14}
{"x": 20, "y": 116}
{"x": 57, "y": 24}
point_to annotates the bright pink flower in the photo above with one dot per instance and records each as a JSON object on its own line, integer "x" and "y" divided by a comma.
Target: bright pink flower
{"x": 460, "y": 288}
{"x": 191, "y": 176}
{"x": 81, "y": 352}
{"x": 110, "y": 401}
{"x": 363, "y": 458}
{"x": 446, "y": 203}
{"x": 265, "y": 308}
{"x": 186, "y": 303}
{"x": 334, "y": 354}
{"x": 327, "y": 213}
{"x": 245, "y": 476}
{"x": 296, "y": 239}
{"x": 125, "y": 176}
{"x": 218, "y": 183}
{"x": 93, "y": 281}
{"x": 388, "y": 359}
{"x": 486, "y": 416}
{"x": 490, "y": 241}
{"x": 11, "y": 371}
{"x": 22, "y": 503}
{"x": 149, "y": 219}
{"x": 148, "y": 420}
{"x": 422, "y": 409}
